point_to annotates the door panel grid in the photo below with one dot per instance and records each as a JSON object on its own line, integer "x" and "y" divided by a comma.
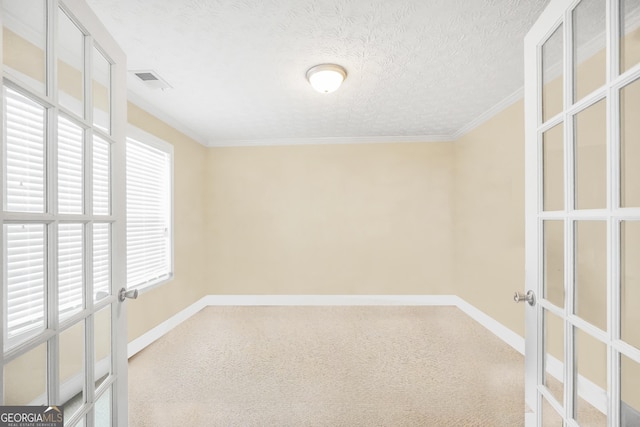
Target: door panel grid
{"x": 591, "y": 176}
{"x": 63, "y": 340}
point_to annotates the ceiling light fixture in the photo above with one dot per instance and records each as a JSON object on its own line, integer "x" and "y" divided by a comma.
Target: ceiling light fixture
{"x": 326, "y": 78}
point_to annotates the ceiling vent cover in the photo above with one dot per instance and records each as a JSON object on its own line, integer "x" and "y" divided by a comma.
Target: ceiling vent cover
{"x": 151, "y": 79}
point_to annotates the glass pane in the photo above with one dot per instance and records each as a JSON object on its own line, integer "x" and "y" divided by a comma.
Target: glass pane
{"x": 24, "y": 153}
{"x": 70, "y": 65}
{"x": 70, "y": 269}
{"x": 550, "y": 418}
{"x": 72, "y": 369}
{"x": 553, "y": 347}
{"x": 552, "y": 75}
{"x": 591, "y": 365}
{"x": 554, "y": 262}
{"x": 24, "y": 41}
{"x": 25, "y": 270}
{"x": 591, "y": 157}
{"x": 630, "y": 282}
{"x": 553, "y": 168}
{"x": 630, "y": 145}
{"x": 102, "y": 410}
{"x": 589, "y": 54}
{"x": 102, "y": 327}
{"x": 101, "y": 91}
{"x": 70, "y": 167}
{"x": 25, "y": 378}
{"x": 630, "y": 37}
{"x": 101, "y": 176}
{"x": 629, "y": 392}
{"x": 101, "y": 261}
{"x": 591, "y": 272}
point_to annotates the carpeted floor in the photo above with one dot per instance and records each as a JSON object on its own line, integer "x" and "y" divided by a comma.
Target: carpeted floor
{"x": 327, "y": 366}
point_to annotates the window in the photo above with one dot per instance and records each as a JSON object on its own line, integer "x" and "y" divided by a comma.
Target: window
{"x": 149, "y": 210}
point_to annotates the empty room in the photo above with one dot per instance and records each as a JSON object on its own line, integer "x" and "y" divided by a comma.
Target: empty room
{"x": 320, "y": 213}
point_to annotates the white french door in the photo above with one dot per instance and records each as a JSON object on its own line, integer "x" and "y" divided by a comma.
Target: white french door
{"x": 582, "y": 115}
{"x": 63, "y": 213}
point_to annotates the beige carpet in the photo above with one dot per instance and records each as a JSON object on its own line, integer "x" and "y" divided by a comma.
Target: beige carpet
{"x": 327, "y": 366}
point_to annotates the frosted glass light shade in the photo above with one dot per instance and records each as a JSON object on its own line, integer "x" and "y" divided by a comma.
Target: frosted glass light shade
{"x": 326, "y": 78}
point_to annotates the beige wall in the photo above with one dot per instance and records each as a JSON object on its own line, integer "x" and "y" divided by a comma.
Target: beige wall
{"x": 157, "y": 305}
{"x": 489, "y": 217}
{"x": 330, "y": 219}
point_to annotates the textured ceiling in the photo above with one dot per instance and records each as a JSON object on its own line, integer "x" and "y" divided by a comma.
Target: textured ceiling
{"x": 416, "y": 68}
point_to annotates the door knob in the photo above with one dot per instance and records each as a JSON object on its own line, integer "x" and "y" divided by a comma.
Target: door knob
{"x": 132, "y": 294}
{"x": 529, "y": 297}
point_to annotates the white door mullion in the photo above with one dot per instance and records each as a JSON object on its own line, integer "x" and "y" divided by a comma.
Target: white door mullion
{"x": 88, "y": 209}
{"x": 613, "y": 296}
{"x": 90, "y": 367}
{"x": 613, "y": 202}
{"x": 53, "y": 370}
{"x": 569, "y": 206}
{"x": 51, "y": 135}
{"x": 51, "y": 253}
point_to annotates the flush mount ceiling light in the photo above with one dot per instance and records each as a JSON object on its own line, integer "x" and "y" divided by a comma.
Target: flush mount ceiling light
{"x": 326, "y": 78}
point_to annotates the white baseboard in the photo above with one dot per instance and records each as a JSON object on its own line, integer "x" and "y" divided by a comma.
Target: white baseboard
{"x": 320, "y": 300}
{"x": 589, "y": 391}
{"x": 505, "y": 334}
{"x": 152, "y": 335}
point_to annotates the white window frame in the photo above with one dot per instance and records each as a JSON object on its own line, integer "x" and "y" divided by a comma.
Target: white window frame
{"x": 141, "y": 136}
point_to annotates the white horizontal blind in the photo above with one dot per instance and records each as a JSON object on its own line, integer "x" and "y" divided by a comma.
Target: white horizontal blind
{"x": 70, "y": 269}
{"x": 101, "y": 260}
{"x": 25, "y": 150}
{"x": 25, "y": 250}
{"x": 101, "y": 176}
{"x": 70, "y": 167}
{"x": 148, "y": 214}
{"x": 25, "y": 272}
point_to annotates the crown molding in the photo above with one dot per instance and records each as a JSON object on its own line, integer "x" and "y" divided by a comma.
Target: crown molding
{"x": 330, "y": 141}
{"x": 489, "y": 114}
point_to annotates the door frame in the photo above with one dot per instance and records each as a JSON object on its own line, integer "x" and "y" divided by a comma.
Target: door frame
{"x": 560, "y": 11}
{"x": 541, "y": 30}
{"x": 118, "y": 105}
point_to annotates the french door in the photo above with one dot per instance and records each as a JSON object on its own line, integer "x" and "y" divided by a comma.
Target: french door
{"x": 582, "y": 115}
{"x": 62, "y": 232}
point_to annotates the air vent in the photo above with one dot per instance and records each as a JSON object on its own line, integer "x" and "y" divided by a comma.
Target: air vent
{"x": 151, "y": 79}
{"x": 146, "y": 76}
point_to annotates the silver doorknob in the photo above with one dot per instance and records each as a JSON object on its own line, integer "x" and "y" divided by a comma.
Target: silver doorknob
{"x": 131, "y": 294}
{"x": 529, "y": 297}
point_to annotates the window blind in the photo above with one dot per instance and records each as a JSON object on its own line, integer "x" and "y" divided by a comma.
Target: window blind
{"x": 70, "y": 269}
{"x": 101, "y": 260}
{"x": 25, "y": 270}
{"x": 25, "y": 250}
{"x": 70, "y": 167}
{"x": 25, "y": 120}
{"x": 101, "y": 176}
{"x": 148, "y": 214}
